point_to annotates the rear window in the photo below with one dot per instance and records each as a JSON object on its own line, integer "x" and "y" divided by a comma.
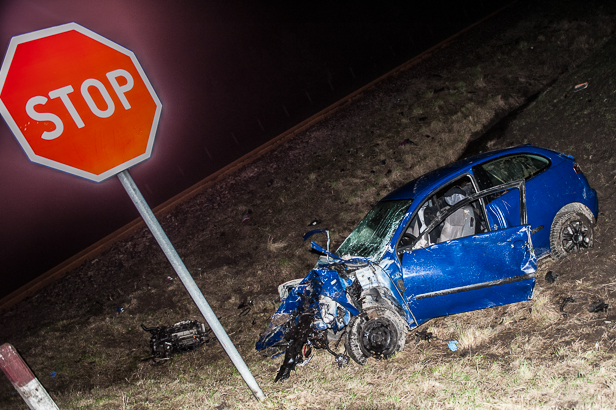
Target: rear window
{"x": 508, "y": 169}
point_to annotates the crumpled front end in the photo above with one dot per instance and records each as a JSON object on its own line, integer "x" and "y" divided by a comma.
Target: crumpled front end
{"x": 322, "y": 302}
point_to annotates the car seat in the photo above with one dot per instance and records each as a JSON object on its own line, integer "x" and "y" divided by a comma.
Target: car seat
{"x": 462, "y": 222}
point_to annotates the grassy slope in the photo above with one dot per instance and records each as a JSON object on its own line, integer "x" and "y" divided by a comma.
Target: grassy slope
{"x": 524, "y": 355}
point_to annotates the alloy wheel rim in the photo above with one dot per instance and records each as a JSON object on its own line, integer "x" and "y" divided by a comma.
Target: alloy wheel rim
{"x": 575, "y": 236}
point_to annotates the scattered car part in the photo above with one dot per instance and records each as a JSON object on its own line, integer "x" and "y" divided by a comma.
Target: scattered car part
{"x": 550, "y": 277}
{"x": 180, "y": 337}
{"x": 564, "y": 303}
{"x": 597, "y": 307}
{"x": 463, "y": 237}
{"x": 424, "y": 335}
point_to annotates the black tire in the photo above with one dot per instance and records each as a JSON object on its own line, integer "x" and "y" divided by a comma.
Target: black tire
{"x": 571, "y": 231}
{"x": 379, "y": 333}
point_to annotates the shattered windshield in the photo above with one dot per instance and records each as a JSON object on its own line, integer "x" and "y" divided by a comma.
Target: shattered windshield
{"x": 374, "y": 232}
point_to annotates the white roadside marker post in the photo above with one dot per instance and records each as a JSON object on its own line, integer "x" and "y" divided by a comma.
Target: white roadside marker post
{"x": 24, "y": 381}
{"x": 188, "y": 281}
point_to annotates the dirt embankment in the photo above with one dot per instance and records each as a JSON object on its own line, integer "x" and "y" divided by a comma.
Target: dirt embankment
{"x": 406, "y": 126}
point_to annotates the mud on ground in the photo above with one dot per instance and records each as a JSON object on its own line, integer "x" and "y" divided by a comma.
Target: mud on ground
{"x": 419, "y": 120}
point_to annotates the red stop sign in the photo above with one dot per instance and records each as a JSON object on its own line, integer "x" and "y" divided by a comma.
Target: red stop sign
{"x": 78, "y": 102}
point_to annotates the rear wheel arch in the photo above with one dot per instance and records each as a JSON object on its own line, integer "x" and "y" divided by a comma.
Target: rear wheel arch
{"x": 578, "y": 207}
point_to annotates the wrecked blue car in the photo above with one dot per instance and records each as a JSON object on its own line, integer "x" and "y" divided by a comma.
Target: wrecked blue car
{"x": 463, "y": 237}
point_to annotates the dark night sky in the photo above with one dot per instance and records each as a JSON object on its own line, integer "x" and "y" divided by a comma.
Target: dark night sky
{"x": 230, "y": 74}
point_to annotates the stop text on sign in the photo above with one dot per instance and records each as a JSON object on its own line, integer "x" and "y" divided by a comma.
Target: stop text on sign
{"x": 63, "y": 94}
{"x": 78, "y": 102}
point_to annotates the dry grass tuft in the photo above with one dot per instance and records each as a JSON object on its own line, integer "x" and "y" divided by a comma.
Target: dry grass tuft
{"x": 274, "y": 246}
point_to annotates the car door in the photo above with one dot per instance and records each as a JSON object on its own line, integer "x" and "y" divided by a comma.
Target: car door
{"x": 544, "y": 192}
{"x": 472, "y": 272}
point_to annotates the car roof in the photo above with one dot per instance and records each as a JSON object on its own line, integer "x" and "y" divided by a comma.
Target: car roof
{"x": 426, "y": 183}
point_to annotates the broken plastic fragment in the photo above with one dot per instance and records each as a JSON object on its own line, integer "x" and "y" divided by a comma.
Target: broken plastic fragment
{"x": 580, "y": 87}
{"x": 600, "y": 306}
{"x": 550, "y": 277}
{"x": 452, "y": 345}
{"x": 305, "y": 362}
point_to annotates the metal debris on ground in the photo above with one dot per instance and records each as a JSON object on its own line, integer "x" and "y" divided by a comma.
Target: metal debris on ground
{"x": 178, "y": 338}
{"x": 551, "y": 277}
{"x": 423, "y": 335}
{"x": 428, "y": 336}
{"x": 597, "y": 307}
{"x": 342, "y": 360}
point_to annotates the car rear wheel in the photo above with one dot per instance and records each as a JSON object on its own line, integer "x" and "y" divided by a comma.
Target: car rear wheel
{"x": 377, "y": 333}
{"x": 572, "y": 230}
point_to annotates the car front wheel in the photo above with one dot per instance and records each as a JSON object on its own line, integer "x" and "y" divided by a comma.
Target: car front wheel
{"x": 377, "y": 333}
{"x": 571, "y": 231}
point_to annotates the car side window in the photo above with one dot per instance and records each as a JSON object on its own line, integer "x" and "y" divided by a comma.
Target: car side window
{"x": 467, "y": 220}
{"x": 508, "y": 169}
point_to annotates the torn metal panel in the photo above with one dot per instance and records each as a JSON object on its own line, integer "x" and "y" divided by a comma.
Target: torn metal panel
{"x": 470, "y": 273}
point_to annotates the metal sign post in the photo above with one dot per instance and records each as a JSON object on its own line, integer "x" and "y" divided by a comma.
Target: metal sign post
{"x": 188, "y": 281}
{"x": 80, "y": 103}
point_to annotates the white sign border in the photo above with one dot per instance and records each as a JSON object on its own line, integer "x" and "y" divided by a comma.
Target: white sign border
{"x": 35, "y": 35}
